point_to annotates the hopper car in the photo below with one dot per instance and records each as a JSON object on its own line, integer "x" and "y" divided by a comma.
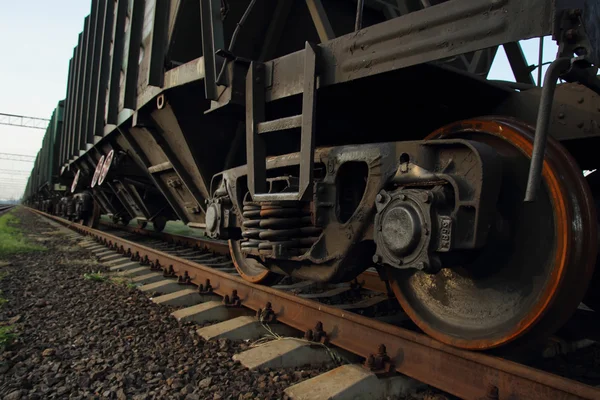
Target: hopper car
{"x": 324, "y": 137}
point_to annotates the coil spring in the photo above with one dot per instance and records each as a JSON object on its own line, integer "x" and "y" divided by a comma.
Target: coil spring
{"x": 286, "y": 224}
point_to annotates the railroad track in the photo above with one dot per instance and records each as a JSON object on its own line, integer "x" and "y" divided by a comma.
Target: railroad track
{"x": 5, "y": 208}
{"x": 219, "y": 295}
{"x": 368, "y": 280}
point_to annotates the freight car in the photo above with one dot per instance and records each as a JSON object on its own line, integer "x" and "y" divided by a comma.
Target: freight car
{"x": 324, "y": 137}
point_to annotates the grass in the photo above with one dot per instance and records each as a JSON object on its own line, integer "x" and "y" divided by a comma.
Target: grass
{"x": 7, "y": 336}
{"x": 95, "y": 276}
{"x": 12, "y": 240}
{"x": 100, "y": 277}
{"x": 123, "y": 281}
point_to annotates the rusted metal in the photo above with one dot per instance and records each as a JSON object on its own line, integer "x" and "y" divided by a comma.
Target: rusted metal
{"x": 369, "y": 279}
{"x": 267, "y": 314}
{"x": 461, "y": 373}
{"x": 565, "y": 257}
{"x": 214, "y": 246}
{"x": 317, "y": 334}
{"x": 380, "y": 362}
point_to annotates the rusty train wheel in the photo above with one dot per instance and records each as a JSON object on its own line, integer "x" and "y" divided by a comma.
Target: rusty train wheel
{"x": 531, "y": 276}
{"x": 592, "y": 297}
{"x": 250, "y": 269}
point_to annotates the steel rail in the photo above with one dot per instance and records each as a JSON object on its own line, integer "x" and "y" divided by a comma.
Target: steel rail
{"x": 468, "y": 375}
{"x": 5, "y": 208}
{"x": 216, "y": 246}
{"x": 367, "y": 279}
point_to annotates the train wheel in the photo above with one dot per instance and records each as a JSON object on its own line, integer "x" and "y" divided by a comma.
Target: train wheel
{"x": 94, "y": 218}
{"x": 249, "y": 268}
{"x": 531, "y": 276}
{"x": 592, "y": 297}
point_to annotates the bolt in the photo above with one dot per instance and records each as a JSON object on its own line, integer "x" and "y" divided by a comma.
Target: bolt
{"x": 492, "y": 393}
{"x": 580, "y": 100}
{"x": 377, "y": 259}
{"x": 348, "y": 235}
{"x": 402, "y": 197}
{"x": 380, "y": 198}
{"x": 426, "y": 197}
{"x": 561, "y": 115}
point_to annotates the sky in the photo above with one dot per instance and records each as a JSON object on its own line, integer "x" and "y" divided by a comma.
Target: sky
{"x": 37, "y": 38}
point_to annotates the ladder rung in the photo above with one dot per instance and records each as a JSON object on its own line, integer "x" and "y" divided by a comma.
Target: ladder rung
{"x": 281, "y": 124}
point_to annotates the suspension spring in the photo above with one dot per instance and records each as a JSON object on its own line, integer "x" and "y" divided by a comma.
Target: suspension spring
{"x": 278, "y": 227}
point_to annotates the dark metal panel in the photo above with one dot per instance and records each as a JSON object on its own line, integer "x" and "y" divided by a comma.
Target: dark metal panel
{"x": 90, "y": 63}
{"x": 212, "y": 38}
{"x": 65, "y": 128}
{"x": 112, "y": 111}
{"x": 135, "y": 40}
{"x": 273, "y": 36}
{"x": 159, "y": 183}
{"x": 446, "y": 30}
{"x": 73, "y": 137}
{"x": 80, "y": 89}
{"x": 97, "y": 114}
{"x": 59, "y": 133}
{"x": 71, "y": 105}
{"x": 156, "y": 71}
{"x": 97, "y": 60}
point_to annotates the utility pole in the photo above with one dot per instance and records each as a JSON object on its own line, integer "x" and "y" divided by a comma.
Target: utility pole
{"x": 23, "y": 121}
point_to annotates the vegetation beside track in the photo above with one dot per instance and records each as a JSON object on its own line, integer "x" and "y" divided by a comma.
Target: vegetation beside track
{"x": 12, "y": 240}
{"x": 7, "y": 334}
{"x": 100, "y": 277}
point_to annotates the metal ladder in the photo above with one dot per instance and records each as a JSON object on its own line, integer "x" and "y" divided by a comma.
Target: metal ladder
{"x": 257, "y": 127}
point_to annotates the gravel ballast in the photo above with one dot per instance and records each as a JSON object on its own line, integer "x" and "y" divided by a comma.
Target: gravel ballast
{"x": 81, "y": 338}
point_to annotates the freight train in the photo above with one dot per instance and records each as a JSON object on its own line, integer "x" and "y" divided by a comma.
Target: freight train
{"x": 324, "y": 137}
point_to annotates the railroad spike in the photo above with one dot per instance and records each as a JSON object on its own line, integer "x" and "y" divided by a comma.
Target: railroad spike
{"x": 267, "y": 314}
{"x": 206, "y": 288}
{"x": 169, "y": 272}
{"x": 379, "y": 363}
{"x": 185, "y": 279}
{"x": 233, "y": 301}
{"x": 317, "y": 334}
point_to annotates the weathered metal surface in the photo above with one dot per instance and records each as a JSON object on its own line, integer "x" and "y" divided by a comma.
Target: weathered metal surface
{"x": 446, "y": 30}
{"x": 552, "y": 241}
{"x": 465, "y": 374}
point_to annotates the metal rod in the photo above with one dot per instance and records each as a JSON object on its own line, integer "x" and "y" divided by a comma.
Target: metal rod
{"x": 360, "y": 4}
{"x": 557, "y": 68}
{"x": 234, "y": 37}
{"x": 540, "y": 61}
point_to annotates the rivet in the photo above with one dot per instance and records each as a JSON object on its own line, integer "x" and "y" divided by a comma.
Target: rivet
{"x": 580, "y": 100}
{"x": 561, "y": 115}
